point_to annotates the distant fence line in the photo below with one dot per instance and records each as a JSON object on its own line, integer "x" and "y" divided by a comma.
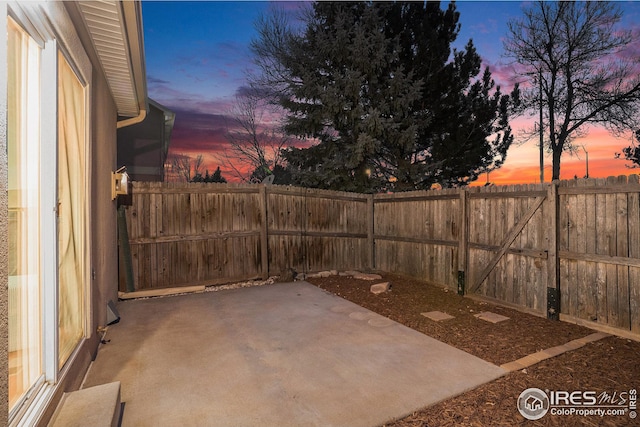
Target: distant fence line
{"x": 517, "y": 244}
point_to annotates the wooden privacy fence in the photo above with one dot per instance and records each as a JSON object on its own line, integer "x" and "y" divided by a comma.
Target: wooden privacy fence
{"x": 186, "y": 234}
{"x": 571, "y": 247}
{"x": 599, "y": 250}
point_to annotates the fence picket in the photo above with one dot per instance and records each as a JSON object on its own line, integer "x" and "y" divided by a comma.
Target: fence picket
{"x": 622, "y": 250}
{"x": 611, "y": 249}
{"x": 633, "y": 212}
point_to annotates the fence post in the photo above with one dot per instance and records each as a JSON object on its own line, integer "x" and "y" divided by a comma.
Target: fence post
{"x": 463, "y": 241}
{"x": 370, "y": 232}
{"x": 264, "y": 236}
{"x": 553, "y": 266}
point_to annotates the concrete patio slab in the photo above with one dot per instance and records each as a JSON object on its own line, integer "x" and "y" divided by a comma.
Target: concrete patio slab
{"x": 288, "y": 354}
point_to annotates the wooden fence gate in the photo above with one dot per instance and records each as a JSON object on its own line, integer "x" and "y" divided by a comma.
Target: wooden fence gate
{"x": 509, "y": 251}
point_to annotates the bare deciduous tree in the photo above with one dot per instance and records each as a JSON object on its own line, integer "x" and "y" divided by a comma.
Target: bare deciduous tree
{"x": 255, "y": 138}
{"x": 576, "y": 52}
{"x": 184, "y": 167}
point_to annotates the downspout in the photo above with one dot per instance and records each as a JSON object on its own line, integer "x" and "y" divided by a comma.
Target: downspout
{"x": 133, "y": 120}
{"x": 123, "y": 235}
{"x": 125, "y": 249}
{"x": 132, "y": 16}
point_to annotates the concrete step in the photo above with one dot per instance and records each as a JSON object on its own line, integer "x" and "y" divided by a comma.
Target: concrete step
{"x": 97, "y": 406}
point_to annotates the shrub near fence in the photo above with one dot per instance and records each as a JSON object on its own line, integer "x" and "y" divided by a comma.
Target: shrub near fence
{"x": 510, "y": 243}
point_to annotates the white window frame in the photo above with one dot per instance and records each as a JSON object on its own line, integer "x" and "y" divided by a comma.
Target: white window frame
{"x": 49, "y": 24}
{"x": 31, "y": 124}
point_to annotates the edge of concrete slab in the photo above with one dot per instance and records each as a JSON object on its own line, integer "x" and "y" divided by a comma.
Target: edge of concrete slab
{"x": 160, "y": 292}
{"x": 530, "y": 360}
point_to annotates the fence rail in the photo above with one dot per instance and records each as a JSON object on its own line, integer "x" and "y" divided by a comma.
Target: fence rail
{"x": 518, "y": 244}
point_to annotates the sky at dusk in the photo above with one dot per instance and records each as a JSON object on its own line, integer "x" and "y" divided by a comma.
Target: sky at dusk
{"x": 198, "y": 56}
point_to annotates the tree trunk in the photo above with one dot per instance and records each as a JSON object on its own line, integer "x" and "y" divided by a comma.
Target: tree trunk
{"x": 557, "y": 153}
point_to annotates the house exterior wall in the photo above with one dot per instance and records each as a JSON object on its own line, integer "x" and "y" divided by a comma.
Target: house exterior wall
{"x": 4, "y": 235}
{"x": 103, "y": 146}
{"x": 102, "y": 229}
{"x": 104, "y": 245}
{"x": 103, "y": 232}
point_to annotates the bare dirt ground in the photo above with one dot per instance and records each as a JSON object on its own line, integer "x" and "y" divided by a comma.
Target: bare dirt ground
{"x": 611, "y": 365}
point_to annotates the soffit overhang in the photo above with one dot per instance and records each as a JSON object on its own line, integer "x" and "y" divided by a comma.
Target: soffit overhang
{"x": 115, "y": 29}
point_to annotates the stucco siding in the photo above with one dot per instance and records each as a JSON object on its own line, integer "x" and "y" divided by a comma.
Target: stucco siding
{"x": 104, "y": 245}
{"x": 4, "y": 237}
{"x": 102, "y": 219}
{"x": 64, "y": 30}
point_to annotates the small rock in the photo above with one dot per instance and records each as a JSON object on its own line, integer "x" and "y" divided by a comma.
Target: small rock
{"x": 288, "y": 275}
{"x": 319, "y": 274}
{"x": 367, "y": 276}
{"x": 380, "y": 288}
{"x": 334, "y": 272}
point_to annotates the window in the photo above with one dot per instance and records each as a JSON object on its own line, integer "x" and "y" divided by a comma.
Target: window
{"x": 48, "y": 209}
{"x": 23, "y": 139}
{"x": 71, "y": 209}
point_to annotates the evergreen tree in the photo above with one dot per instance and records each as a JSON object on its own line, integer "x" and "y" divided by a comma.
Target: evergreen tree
{"x": 462, "y": 117}
{"x": 215, "y": 177}
{"x": 632, "y": 152}
{"x": 372, "y": 82}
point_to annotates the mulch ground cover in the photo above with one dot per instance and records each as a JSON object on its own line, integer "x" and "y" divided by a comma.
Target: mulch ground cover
{"x": 611, "y": 365}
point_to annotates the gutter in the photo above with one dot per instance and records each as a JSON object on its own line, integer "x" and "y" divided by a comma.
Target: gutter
{"x": 133, "y": 120}
{"x": 132, "y": 16}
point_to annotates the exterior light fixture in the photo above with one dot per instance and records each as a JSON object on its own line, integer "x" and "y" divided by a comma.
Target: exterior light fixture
{"x": 119, "y": 182}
